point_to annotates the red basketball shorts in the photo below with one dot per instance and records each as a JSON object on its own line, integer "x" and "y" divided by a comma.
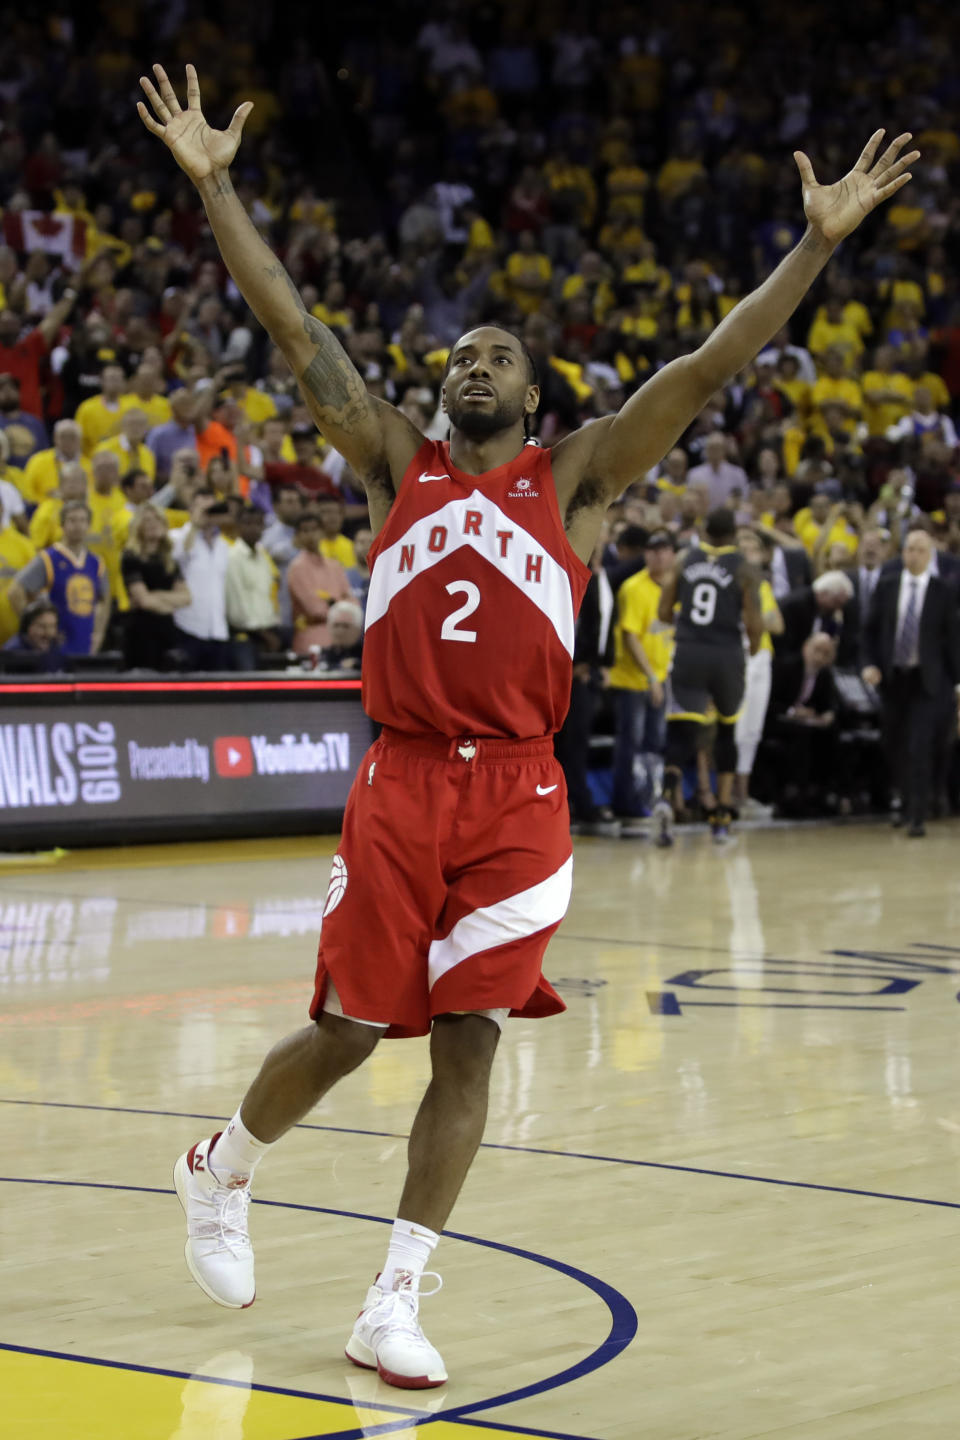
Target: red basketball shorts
{"x": 454, "y": 870}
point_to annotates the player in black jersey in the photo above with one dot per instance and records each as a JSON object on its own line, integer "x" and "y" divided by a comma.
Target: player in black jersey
{"x": 712, "y": 597}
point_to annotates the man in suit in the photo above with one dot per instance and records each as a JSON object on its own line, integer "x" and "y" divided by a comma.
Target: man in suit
{"x": 873, "y": 554}
{"x": 803, "y": 719}
{"x": 592, "y": 655}
{"x": 912, "y": 648}
{"x": 828, "y": 607}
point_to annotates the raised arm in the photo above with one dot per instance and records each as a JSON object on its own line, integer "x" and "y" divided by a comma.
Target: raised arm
{"x": 653, "y": 419}
{"x": 376, "y": 439}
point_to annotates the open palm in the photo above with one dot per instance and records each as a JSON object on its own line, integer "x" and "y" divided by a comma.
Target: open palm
{"x": 198, "y": 149}
{"x": 836, "y": 210}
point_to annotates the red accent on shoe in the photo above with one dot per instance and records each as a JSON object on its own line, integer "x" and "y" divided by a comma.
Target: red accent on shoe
{"x": 249, "y": 1302}
{"x": 408, "y": 1382}
{"x": 359, "y": 1363}
{"x": 192, "y": 1152}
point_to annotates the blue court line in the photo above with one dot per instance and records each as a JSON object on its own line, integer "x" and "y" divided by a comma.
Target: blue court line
{"x": 624, "y": 1321}
{"x": 521, "y": 1150}
{"x": 419, "y": 1416}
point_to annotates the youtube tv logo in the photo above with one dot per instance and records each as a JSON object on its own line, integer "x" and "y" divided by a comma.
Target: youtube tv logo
{"x": 232, "y": 756}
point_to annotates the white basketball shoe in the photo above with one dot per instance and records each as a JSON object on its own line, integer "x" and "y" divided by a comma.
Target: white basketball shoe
{"x": 218, "y": 1251}
{"x": 387, "y": 1336}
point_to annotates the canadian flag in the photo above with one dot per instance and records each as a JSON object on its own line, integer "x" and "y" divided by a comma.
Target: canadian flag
{"x": 64, "y": 236}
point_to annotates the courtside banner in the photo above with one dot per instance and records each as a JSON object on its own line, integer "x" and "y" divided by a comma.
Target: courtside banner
{"x": 167, "y": 761}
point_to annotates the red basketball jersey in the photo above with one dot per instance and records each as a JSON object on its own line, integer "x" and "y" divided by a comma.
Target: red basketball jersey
{"x": 474, "y": 592}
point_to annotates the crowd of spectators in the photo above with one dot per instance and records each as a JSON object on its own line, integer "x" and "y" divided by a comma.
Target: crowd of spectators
{"x": 606, "y": 183}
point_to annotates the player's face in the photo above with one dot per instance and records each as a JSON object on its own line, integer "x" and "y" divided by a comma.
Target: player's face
{"x": 488, "y": 388}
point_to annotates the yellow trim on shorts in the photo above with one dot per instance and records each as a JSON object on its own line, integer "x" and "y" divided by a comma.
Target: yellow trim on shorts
{"x": 697, "y": 715}
{"x": 729, "y": 719}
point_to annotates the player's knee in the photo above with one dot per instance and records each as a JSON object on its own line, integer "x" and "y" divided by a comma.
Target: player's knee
{"x": 725, "y": 749}
{"x": 344, "y": 1042}
{"x": 462, "y": 1048}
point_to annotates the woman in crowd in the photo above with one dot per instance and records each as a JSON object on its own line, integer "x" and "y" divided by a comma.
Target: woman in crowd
{"x": 156, "y": 589}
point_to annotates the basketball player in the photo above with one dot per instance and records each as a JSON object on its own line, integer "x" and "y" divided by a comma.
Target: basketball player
{"x": 713, "y": 597}
{"x": 455, "y": 864}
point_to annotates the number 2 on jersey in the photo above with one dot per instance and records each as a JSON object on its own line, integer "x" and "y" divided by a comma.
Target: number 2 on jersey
{"x": 451, "y": 630}
{"x": 703, "y": 604}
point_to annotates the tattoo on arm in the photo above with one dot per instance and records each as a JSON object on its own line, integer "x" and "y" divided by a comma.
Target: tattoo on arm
{"x": 222, "y": 185}
{"x": 279, "y": 272}
{"x": 333, "y": 381}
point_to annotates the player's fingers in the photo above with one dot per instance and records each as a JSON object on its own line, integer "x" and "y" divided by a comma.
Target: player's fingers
{"x": 892, "y": 151}
{"x": 167, "y": 90}
{"x": 239, "y": 118}
{"x": 148, "y": 119}
{"x": 149, "y": 89}
{"x": 193, "y": 89}
{"x": 805, "y": 168}
{"x": 892, "y": 171}
{"x": 869, "y": 150}
{"x": 885, "y": 191}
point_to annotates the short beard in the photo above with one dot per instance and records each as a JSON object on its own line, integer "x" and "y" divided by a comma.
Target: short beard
{"x": 479, "y": 424}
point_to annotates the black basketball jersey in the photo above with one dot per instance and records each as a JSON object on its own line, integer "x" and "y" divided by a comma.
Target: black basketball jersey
{"x": 710, "y": 596}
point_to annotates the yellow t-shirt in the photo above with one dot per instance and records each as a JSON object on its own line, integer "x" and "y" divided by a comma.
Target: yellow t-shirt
{"x": 937, "y": 387}
{"x": 157, "y": 408}
{"x": 770, "y": 610}
{"x": 339, "y": 548}
{"x": 637, "y": 605}
{"x": 880, "y": 416}
{"x": 131, "y": 457}
{"x": 523, "y": 270}
{"x": 45, "y": 523}
{"x": 808, "y": 531}
{"x": 843, "y": 389}
{"x": 102, "y": 540}
{"x": 41, "y": 475}
{"x": 257, "y": 406}
{"x": 15, "y": 552}
{"x": 98, "y": 420}
{"x": 824, "y": 334}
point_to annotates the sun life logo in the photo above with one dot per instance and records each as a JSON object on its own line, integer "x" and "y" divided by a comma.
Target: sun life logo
{"x": 338, "y": 885}
{"x": 523, "y": 490}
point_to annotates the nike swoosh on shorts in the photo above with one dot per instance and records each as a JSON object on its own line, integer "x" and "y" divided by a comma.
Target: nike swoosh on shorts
{"x": 545, "y": 789}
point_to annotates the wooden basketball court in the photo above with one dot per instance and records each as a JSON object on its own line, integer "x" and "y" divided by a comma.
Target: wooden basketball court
{"x": 719, "y": 1198}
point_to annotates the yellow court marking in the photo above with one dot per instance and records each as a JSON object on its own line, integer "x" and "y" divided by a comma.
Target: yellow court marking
{"x": 189, "y": 852}
{"x": 47, "y": 1397}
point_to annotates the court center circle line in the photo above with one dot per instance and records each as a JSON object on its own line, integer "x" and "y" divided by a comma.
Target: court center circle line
{"x": 624, "y": 1321}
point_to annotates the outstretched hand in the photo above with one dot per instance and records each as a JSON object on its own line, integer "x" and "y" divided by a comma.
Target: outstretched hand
{"x": 197, "y": 148}
{"x": 836, "y": 210}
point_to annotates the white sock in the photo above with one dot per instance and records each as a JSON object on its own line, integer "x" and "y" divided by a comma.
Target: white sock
{"x": 237, "y": 1153}
{"x": 411, "y": 1246}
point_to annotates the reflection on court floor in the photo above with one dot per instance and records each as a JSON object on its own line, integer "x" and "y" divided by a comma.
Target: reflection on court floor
{"x": 716, "y": 1199}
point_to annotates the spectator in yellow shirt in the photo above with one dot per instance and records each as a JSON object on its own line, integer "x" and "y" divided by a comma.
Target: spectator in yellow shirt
{"x": 45, "y": 529}
{"x": 256, "y": 405}
{"x": 99, "y": 417}
{"x": 796, "y": 389}
{"x": 106, "y": 501}
{"x": 16, "y": 551}
{"x": 43, "y": 471}
{"x": 146, "y": 393}
{"x": 528, "y": 274}
{"x": 837, "y": 389}
{"x": 922, "y": 378}
{"x": 830, "y": 331}
{"x": 334, "y": 545}
{"x": 643, "y": 651}
{"x": 332, "y": 309}
{"x": 826, "y": 514}
{"x": 129, "y": 446}
{"x": 887, "y": 392}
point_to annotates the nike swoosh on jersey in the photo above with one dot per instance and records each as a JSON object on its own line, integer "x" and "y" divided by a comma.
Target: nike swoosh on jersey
{"x": 545, "y": 789}
{"x": 425, "y": 477}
